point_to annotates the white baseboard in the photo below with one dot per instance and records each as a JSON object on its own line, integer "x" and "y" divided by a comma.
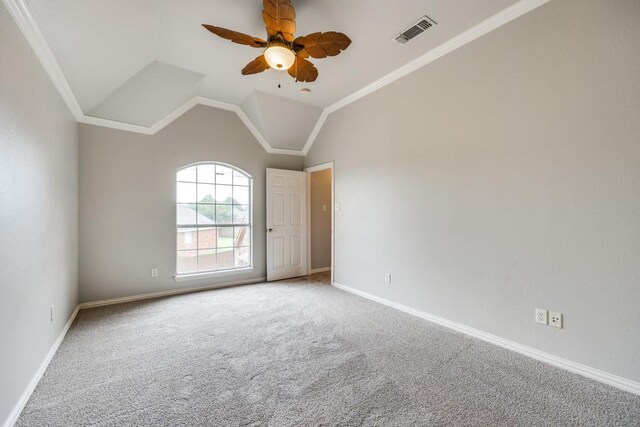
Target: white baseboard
{"x": 17, "y": 410}
{"x": 586, "y": 371}
{"x": 161, "y": 294}
{"x": 319, "y": 270}
{"x": 24, "y": 398}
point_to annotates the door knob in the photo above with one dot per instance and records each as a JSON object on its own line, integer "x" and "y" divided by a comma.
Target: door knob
{"x": 270, "y": 230}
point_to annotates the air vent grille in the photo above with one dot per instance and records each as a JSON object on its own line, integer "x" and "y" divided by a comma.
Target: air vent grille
{"x": 419, "y": 27}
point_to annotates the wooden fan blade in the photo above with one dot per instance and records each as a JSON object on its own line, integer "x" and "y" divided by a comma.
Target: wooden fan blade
{"x": 279, "y": 17}
{"x": 303, "y": 70}
{"x": 235, "y": 36}
{"x": 256, "y": 66}
{"x": 321, "y": 45}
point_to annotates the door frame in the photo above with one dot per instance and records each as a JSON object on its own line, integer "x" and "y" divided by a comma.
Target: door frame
{"x": 309, "y": 170}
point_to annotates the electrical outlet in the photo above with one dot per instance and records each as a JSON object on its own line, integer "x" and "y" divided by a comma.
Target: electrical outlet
{"x": 555, "y": 319}
{"x": 387, "y": 278}
{"x": 154, "y": 272}
{"x": 541, "y": 316}
{"x": 51, "y": 314}
{"x": 324, "y": 208}
{"x": 338, "y": 207}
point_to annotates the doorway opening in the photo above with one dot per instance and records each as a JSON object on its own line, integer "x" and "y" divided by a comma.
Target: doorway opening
{"x": 320, "y": 217}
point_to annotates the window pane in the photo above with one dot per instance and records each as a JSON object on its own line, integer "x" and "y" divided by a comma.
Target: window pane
{"x": 224, "y": 214}
{"x": 241, "y": 195}
{"x": 186, "y": 193}
{"x": 187, "y": 262}
{"x": 241, "y": 214}
{"x": 186, "y": 214}
{"x": 224, "y": 175}
{"x": 242, "y": 257}
{"x": 206, "y": 193}
{"x": 187, "y": 238}
{"x": 188, "y": 174}
{"x": 207, "y": 238}
{"x": 225, "y": 258}
{"x": 206, "y": 260}
{"x": 225, "y": 237}
{"x": 241, "y": 236}
{"x": 240, "y": 179}
{"x": 206, "y": 214}
{"x": 224, "y": 194}
{"x": 212, "y": 197}
{"x": 207, "y": 174}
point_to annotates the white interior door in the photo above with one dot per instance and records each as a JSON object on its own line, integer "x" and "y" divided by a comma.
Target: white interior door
{"x": 286, "y": 224}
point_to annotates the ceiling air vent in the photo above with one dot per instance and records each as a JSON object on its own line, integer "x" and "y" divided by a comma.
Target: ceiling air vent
{"x": 419, "y": 27}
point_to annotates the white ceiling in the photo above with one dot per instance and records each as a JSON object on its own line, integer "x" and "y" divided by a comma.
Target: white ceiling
{"x": 155, "y": 53}
{"x": 280, "y": 119}
{"x": 139, "y": 101}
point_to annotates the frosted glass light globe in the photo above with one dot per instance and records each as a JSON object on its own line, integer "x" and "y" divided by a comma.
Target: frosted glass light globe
{"x": 279, "y": 57}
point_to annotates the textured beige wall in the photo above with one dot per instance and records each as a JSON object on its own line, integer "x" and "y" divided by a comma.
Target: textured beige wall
{"x": 504, "y": 177}
{"x": 321, "y": 219}
{"x": 127, "y": 199}
{"x": 38, "y": 214}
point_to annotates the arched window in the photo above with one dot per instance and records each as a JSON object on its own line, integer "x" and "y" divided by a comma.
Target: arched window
{"x": 213, "y": 218}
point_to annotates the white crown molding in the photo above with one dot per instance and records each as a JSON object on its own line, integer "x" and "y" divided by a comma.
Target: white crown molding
{"x": 498, "y": 20}
{"x": 113, "y": 124}
{"x": 256, "y": 133}
{"x": 31, "y": 31}
{"x": 315, "y": 131}
{"x": 27, "y": 24}
{"x": 577, "y": 368}
{"x": 29, "y": 27}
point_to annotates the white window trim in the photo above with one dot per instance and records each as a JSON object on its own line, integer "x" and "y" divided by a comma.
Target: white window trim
{"x": 209, "y": 274}
{"x": 231, "y": 271}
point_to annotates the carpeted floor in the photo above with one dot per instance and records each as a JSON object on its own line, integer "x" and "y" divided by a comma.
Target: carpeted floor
{"x": 300, "y": 353}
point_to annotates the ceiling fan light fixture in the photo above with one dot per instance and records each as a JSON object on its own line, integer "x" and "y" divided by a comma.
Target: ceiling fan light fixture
{"x": 279, "y": 57}
{"x": 282, "y": 50}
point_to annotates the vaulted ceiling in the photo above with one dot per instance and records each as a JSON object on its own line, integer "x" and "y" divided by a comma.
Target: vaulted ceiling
{"x": 139, "y": 62}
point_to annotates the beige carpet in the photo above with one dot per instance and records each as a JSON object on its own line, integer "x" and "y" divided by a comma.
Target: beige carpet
{"x": 300, "y": 353}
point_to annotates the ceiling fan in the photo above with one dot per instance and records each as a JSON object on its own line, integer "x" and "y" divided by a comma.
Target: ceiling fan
{"x": 281, "y": 50}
